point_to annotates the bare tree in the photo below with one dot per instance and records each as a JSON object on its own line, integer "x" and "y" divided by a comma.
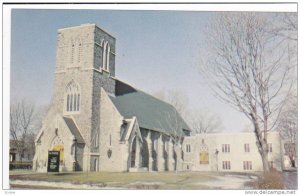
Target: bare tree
{"x": 30, "y": 144}
{"x": 174, "y": 119}
{"x": 21, "y": 120}
{"x": 248, "y": 69}
{"x": 39, "y": 115}
{"x": 285, "y": 26}
{"x": 25, "y": 121}
{"x": 200, "y": 121}
{"x": 288, "y": 127}
{"x": 176, "y": 98}
{"x": 203, "y": 121}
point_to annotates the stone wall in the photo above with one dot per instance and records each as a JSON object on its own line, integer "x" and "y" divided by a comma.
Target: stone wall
{"x": 100, "y": 80}
{"x": 110, "y": 126}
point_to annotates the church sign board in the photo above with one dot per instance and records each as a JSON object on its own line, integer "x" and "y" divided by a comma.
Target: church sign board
{"x": 53, "y": 161}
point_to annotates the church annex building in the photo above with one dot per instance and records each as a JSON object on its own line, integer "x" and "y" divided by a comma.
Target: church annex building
{"x": 100, "y": 123}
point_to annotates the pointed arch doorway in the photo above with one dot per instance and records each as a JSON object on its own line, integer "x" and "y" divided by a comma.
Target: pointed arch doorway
{"x": 143, "y": 152}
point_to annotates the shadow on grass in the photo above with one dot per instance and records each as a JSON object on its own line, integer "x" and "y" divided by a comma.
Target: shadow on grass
{"x": 62, "y": 174}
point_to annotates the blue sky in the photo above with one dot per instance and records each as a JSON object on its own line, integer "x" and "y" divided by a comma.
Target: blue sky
{"x": 156, "y": 50}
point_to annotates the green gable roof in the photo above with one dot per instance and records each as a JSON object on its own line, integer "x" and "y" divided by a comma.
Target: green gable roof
{"x": 151, "y": 113}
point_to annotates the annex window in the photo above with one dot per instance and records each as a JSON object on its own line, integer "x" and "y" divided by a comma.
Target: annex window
{"x": 225, "y": 148}
{"x": 188, "y": 148}
{"x": 271, "y": 164}
{"x": 204, "y": 155}
{"x": 269, "y": 148}
{"x": 226, "y": 165}
{"x": 72, "y": 97}
{"x": 247, "y": 165}
{"x": 246, "y": 147}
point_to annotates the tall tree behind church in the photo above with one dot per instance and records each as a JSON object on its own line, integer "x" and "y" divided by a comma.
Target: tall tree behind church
{"x": 176, "y": 98}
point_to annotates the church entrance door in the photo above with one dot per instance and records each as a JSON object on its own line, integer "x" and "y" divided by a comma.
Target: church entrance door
{"x": 59, "y": 148}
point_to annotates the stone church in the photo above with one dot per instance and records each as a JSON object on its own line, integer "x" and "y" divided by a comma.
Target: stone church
{"x": 100, "y": 123}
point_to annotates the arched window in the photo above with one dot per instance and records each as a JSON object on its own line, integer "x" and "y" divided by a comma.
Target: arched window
{"x": 104, "y": 55}
{"x": 78, "y": 100}
{"x": 107, "y": 57}
{"x": 79, "y": 52}
{"x": 71, "y": 103}
{"x": 72, "y": 97}
{"x": 95, "y": 140}
{"x": 72, "y": 53}
{"x": 75, "y": 103}
{"x": 68, "y": 102}
{"x": 106, "y": 52}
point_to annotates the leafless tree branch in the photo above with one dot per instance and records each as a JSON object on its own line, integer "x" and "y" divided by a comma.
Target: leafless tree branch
{"x": 249, "y": 67}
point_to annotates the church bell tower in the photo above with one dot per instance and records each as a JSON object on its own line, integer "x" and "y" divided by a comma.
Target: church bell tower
{"x": 85, "y": 63}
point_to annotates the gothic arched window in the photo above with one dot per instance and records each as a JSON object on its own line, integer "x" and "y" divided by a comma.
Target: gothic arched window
{"x": 79, "y": 52}
{"x": 72, "y": 97}
{"x": 78, "y": 100}
{"x": 106, "y": 52}
{"x": 107, "y": 57}
{"x": 72, "y": 53}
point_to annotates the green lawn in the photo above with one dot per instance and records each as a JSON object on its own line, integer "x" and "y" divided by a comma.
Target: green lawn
{"x": 152, "y": 180}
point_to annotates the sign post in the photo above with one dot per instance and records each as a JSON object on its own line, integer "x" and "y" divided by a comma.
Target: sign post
{"x": 53, "y": 161}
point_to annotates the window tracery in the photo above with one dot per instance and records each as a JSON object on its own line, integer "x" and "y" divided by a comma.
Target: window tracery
{"x": 72, "y": 97}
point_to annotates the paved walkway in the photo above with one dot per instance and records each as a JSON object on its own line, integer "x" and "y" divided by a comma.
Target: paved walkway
{"x": 231, "y": 182}
{"x": 214, "y": 182}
